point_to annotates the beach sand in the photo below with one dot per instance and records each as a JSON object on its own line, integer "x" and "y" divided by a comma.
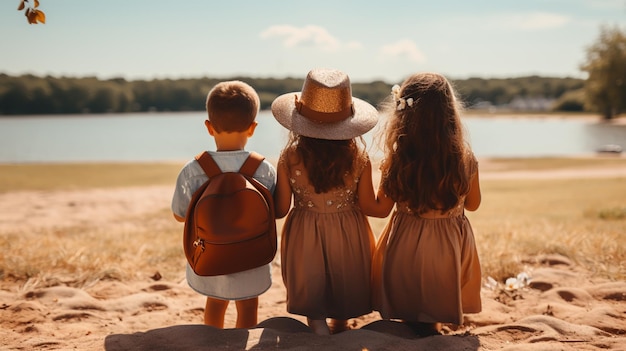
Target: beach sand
{"x": 564, "y": 307}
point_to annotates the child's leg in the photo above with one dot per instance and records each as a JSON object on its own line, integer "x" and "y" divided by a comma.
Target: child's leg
{"x": 319, "y": 326}
{"x": 214, "y": 312}
{"x": 247, "y": 312}
{"x": 338, "y": 325}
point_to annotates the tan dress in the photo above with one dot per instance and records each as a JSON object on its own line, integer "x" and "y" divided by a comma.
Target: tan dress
{"x": 426, "y": 268}
{"x": 326, "y": 250}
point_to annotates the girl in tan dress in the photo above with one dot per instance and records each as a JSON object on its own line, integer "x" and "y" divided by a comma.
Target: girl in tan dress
{"x": 426, "y": 269}
{"x": 327, "y": 243}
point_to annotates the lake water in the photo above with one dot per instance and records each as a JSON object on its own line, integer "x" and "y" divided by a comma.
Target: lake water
{"x": 178, "y": 136}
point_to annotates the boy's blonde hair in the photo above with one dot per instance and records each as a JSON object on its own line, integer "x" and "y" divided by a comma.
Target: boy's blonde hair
{"x": 232, "y": 106}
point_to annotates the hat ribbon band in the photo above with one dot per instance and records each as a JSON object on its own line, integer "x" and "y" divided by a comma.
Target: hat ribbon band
{"x": 323, "y": 117}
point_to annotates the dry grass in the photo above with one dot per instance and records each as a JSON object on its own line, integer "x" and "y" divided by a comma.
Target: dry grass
{"x": 85, "y": 175}
{"x": 129, "y": 249}
{"x": 519, "y": 219}
{"x": 583, "y": 219}
{"x": 551, "y": 163}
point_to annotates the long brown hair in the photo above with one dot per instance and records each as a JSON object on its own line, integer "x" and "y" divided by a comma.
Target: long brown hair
{"x": 326, "y": 161}
{"x": 425, "y": 152}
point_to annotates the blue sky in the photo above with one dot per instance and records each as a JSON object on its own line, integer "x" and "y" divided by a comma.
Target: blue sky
{"x": 387, "y": 40}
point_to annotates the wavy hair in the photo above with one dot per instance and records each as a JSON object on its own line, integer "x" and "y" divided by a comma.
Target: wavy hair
{"x": 425, "y": 156}
{"x": 326, "y": 161}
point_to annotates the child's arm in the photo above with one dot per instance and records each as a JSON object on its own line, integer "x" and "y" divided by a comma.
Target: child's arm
{"x": 472, "y": 201}
{"x": 372, "y": 205}
{"x": 282, "y": 193}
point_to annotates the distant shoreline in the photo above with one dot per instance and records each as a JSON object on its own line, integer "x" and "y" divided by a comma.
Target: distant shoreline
{"x": 620, "y": 119}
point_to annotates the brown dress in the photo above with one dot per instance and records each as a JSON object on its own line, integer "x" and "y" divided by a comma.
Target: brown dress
{"x": 426, "y": 268}
{"x": 326, "y": 250}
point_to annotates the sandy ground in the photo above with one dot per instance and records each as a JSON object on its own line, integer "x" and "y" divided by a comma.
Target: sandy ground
{"x": 563, "y": 307}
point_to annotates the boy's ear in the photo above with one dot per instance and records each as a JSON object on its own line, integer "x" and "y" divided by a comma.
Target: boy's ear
{"x": 252, "y": 128}
{"x": 209, "y": 127}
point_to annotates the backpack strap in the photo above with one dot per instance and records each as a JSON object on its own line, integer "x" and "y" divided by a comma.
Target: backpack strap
{"x": 248, "y": 168}
{"x": 208, "y": 164}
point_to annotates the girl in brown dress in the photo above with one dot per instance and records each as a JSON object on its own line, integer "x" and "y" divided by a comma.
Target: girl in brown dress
{"x": 326, "y": 242}
{"x": 426, "y": 269}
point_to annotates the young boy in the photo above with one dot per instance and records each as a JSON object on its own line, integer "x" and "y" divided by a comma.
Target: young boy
{"x": 232, "y": 108}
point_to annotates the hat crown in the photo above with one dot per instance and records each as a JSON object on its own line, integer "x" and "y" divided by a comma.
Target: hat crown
{"x": 327, "y": 91}
{"x": 325, "y": 108}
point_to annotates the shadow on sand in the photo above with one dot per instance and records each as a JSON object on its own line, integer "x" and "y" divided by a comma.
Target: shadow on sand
{"x": 286, "y": 334}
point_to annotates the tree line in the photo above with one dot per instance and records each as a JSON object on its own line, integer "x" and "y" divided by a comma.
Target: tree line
{"x": 29, "y": 94}
{"x": 604, "y": 91}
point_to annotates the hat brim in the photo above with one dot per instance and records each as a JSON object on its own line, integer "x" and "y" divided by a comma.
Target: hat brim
{"x": 364, "y": 119}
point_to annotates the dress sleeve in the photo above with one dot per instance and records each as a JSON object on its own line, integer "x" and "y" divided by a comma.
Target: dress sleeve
{"x": 361, "y": 161}
{"x": 472, "y": 164}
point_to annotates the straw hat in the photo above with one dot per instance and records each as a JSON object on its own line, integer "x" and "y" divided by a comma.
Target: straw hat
{"x": 325, "y": 108}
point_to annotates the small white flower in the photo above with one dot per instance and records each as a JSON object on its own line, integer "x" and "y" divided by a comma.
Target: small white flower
{"x": 401, "y": 104}
{"x": 523, "y": 278}
{"x": 395, "y": 91}
{"x": 491, "y": 283}
{"x": 511, "y": 284}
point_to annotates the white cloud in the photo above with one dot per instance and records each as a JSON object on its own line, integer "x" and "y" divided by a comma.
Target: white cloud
{"x": 354, "y": 45}
{"x": 404, "y": 48}
{"x": 307, "y": 36}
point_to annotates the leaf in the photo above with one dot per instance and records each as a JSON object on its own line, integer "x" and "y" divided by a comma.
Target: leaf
{"x": 41, "y": 17}
{"x": 36, "y": 3}
{"x": 32, "y": 16}
{"x": 21, "y": 7}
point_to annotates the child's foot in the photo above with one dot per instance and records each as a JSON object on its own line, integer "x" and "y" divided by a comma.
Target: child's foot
{"x": 319, "y": 326}
{"x": 425, "y": 329}
{"x": 338, "y": 325}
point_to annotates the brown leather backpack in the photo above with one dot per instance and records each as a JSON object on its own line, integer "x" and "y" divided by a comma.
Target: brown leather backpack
{"x": 230, "y": 225}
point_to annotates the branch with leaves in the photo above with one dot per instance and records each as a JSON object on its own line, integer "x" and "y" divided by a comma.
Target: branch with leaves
{"x": 33, "y": 15}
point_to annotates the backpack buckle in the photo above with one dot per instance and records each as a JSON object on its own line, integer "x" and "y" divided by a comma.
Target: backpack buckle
{"x": 199, "y": 242}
